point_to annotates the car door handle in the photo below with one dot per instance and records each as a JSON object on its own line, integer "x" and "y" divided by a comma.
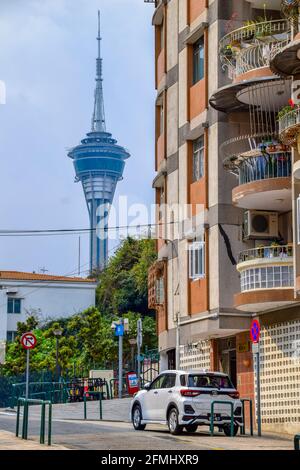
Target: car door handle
{"x": 170, "y": 391}
{"x": 155, "y": 393}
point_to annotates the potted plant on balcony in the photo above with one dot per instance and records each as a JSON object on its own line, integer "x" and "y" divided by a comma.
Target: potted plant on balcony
{"x": 282, "y": 147}
{"x": 227, "y": 51}
{"x": 285, "y": 110}
{"x": 260, "y": 251}
{"x": 271, "y": 147}
{"x": 249, "y": 30}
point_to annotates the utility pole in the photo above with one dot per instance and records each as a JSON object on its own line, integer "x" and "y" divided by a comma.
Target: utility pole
{"x": 120, "y": 364}
{"x": 120, "y": 327}
{"x": 139, "y": 340}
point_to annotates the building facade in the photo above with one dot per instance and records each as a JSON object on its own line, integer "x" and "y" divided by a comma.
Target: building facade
{"x": 224, "y": 142}
{"x": 44, "y": 296}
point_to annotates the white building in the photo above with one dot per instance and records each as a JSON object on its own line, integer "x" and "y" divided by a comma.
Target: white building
{"x": 46, "y": 296}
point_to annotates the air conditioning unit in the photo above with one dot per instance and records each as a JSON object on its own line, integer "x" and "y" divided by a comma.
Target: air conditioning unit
{"x": 260, "y": 225}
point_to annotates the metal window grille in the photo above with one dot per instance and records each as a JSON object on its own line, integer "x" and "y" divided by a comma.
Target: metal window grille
{"x": 197, "y": 260}
{"x": 198, "y": 159}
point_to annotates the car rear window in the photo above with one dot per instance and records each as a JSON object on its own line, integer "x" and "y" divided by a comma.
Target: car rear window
{"x": 209, "y": 381}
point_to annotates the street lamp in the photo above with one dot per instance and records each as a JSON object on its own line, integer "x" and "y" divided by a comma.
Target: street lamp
{"x": 132, "y": 342}
{"x": 57, "y": 333}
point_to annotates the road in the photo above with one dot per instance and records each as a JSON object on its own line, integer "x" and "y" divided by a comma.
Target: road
{"x": 107, "y": 435}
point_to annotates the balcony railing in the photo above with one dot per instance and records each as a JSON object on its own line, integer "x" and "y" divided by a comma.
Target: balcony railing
{"x": 289, "y": 127}
{"x": 282, "y": 252}
{"x": 250, "y": 46}
{"x": 251, "y": 159}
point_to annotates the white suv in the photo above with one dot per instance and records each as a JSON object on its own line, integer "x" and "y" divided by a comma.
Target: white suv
{"x": 182, "y": 399}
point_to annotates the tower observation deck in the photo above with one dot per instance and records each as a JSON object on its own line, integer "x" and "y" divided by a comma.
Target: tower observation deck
{"x": 99, "y": 164}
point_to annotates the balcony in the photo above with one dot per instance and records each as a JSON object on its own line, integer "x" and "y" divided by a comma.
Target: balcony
{"x": 289, "y": 126}
{"x": 263, "y": 171}
{"x": 267, "y": 278}
{"x": 249, "y": 48}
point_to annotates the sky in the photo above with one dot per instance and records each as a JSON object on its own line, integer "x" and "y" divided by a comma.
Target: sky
{"x": 47, "y": 62}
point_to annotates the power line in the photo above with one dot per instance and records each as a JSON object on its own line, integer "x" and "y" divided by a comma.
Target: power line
{"x": 78, "y": 231}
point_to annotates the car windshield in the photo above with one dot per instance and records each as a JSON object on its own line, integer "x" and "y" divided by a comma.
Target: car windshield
{"x": 209, "y": 381}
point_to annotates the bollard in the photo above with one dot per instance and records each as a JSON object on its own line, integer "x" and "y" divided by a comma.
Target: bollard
{"x": 99, "y": 394}
{"x": 221, "y": 402}
{"x": 26, "y": 403}
{"x": 49, "y": 423}
{"x": 243, "y": 428}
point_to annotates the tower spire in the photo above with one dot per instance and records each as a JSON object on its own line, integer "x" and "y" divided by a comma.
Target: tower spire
{"x": 98, "y": 119}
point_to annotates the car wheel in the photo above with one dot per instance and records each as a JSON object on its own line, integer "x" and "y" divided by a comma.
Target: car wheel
{"x": 226, "y": 429}
{"x": 191, "y": 427}
{"x": 137, "y": 418}
{"x": 174, "y": 427}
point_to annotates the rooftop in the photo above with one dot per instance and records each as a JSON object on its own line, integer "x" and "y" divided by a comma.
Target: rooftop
{"x": 22, "y": 276}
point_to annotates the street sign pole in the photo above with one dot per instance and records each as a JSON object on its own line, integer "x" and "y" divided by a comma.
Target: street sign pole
{"x": 27, "y": 374}
{"x": 258, "y": 391}
{"x": 120, "y": 365}
{"x": 139, "y": 344}
{"x": 255, "y": 336}
{"x": 28, "y": 341}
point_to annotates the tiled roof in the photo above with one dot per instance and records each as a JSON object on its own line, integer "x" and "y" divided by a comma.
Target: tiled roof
{"x": 20, "y": 276}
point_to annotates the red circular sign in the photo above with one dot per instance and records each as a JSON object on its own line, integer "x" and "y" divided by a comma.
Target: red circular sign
{"x": 28, "y": 341}
{"x": 255, "y": 331}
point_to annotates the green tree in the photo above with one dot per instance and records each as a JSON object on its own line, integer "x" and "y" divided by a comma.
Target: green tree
{"x": 123, "y": 285}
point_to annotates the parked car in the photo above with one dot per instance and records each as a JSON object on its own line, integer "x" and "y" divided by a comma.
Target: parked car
{"x": 182, "y": 399}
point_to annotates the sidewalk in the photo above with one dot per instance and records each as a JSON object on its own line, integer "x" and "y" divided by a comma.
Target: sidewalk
{"x": 113, "y": 410}
{"x": 8, "y": 441}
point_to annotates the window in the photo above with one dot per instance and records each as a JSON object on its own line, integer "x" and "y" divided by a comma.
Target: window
{"x": 209, "y": 381}
{"x": 198, "y": 61}
{"x": 158, "y": 382}
{"x": 161, "y": 120}
{"x": 198, "y": 159}
{"x": 13, "y": 305}
{"x": 197, "y": 260}
{"x": 10, "y": 336}
{"x": 160, "y": 291}
{"x": 170, "y": 381}
{"x": 267, "y": 278}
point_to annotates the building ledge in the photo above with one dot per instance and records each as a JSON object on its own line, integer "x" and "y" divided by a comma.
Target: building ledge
{"x": 264, "y": 299}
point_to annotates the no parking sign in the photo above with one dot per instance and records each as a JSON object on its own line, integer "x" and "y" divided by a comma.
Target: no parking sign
{"x": 255, "y": 331}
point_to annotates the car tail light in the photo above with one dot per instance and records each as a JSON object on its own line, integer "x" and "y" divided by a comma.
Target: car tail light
{"x": 235, "y": 395}
{"x": 189, "y": 393}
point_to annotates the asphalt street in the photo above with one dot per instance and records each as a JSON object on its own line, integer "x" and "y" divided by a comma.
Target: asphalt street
{"x": 107, "y": 435}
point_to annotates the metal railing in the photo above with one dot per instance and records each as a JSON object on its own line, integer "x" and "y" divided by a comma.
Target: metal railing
{"x": 289, "y": 126}
{"x": 267, "y": 252}
{"x": 212, "y": 415}
{"x": 277, "y": 165}
{"x": 25, "y": 402}
{"x": 97, "y": 394}
{"x": 250, "y": 46}
{"x": 56, "y": 392}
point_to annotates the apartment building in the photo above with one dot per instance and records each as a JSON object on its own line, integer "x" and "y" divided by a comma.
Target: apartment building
{"x": 225, "y": 141}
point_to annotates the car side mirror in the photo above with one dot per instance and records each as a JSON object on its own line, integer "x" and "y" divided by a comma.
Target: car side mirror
{"x": 147, "y": 386}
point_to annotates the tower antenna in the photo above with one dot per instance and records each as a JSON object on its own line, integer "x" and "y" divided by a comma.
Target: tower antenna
{"x": 98, "y": 119}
